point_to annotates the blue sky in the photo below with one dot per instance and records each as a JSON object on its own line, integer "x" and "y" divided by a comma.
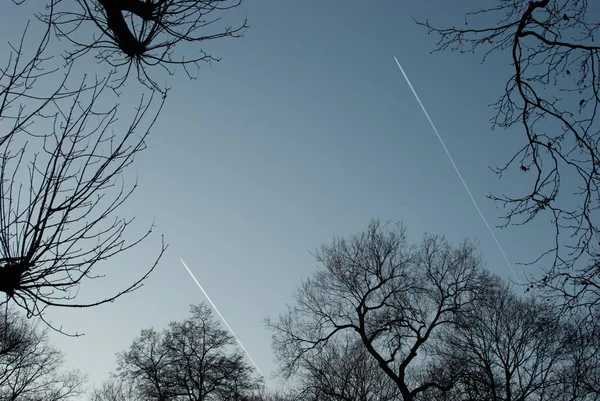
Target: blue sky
{"x": 305, "y": 130}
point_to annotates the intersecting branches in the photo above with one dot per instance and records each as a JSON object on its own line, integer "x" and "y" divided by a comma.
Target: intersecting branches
{"x": 61, "y": 183}
{"x": 553, "y": 94}
{"x": 387, "y": 295}
{"x": 344, "y": 370}
{"x": 134, "y": 35}
{"x": 194, "y": 359}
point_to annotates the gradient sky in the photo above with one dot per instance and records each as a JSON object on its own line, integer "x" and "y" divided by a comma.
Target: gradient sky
{"x": 304, "y": 131}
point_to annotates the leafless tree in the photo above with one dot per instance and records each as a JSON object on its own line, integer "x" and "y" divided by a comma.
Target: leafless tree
{"x": 135, "y": 35}
{"x": 31, "y": 369}
{"x": 553, "y": 95}
{"x": 147, "y": 366}
{"x": 269, "y": 395}
{"x": 345, "y": 371}
{"x": 581, "y": 369}
{"x": 62, "y": 160}
{"x": 507, "y": 348}
{"x": 114, "y": 389}
{"x": 191, "y": 360}
{"x": 391, "y": 296}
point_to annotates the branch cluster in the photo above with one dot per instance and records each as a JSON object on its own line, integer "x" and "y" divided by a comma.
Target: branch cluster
{"x": 62, "y": 160}
{"x": 31, "y": 369}
{"x": 134, "y": 35}
{"x": 553, "y": 96}
{"x": 190, "y": 360}
{"x": 383, "y": 319}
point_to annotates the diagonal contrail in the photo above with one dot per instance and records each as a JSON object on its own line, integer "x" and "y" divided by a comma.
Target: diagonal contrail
{"x": 456, "y": 169}
{"x": 222, "y": 318}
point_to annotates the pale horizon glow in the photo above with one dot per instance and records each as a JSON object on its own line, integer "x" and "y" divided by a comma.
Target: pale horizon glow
{"x": 457, "y": 171}
{"x": 223, "y": 319}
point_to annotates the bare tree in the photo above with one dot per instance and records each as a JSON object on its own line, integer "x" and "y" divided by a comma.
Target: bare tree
{"x": 191, "y": 360}
{"x": 62, "y": 160}
{"x": 114, "y": 389}
{"x": 137, "y": 35}
{"x": 146, "y": 364}
{"x": 345, "y": 371}
{"x": 391, "y": 296}
{"x": 506, "y": 348}
{"x": 269, "y": 395}
{"x": 553, "y": 95}
{"x": 581, "y": 368}
{"x": 202, "y": 348}
{"x": 31, "y": 369}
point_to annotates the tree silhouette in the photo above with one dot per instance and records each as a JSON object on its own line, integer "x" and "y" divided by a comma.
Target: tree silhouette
{"x": 114, "y": 390}
{"x": 553, "y": 96}
{"x": 507, "y": 348}
{"x": 344, "y": 371}
{"x": 191, "y": 360}
{"x": 581, "y": 367}
{"x": 31, "y": 369}
{"x": 392, "y": 297}
{"x": 269, "y": 395}
{"x": 135, "y": 35}
{"x": 62, "y": 159}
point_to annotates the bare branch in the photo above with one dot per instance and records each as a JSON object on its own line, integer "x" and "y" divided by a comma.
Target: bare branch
{"x": 553, "y": 96}
{"x": 61, "y": 182}
{"x": 132, "y": 36}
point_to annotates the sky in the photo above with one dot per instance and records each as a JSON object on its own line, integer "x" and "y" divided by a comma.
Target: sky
{"x": 305, "y": 130}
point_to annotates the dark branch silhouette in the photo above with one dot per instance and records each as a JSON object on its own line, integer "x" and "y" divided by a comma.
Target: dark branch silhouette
{"x": 508, "y": 348}
{"x": 553, "y": 96}
{"x": 30, "y": 368}
{"x": 140, "y": 34}
{"x": 344, "y": 371}
{"x": 390, "y": 296}
{"x": 192, "y": 360}
{"x": 62, "y": 160}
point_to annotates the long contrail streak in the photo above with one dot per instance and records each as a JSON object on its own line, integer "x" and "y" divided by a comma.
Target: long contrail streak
{"x": 222, "y": 318}
{"x": 456, "y": 169}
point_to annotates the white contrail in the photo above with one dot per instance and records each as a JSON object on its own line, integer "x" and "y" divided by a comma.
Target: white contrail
{"x": 457, "y": 172}
{"x": 222, "y": 318}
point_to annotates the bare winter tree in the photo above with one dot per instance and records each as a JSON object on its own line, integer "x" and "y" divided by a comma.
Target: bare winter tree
{"x": 345, "y": 371}
{"x": 62, "y": 160}
{"x": 63, "y": 157}
{"x": 581, "y": 368}
{"x": 134, "y": 35}
{"x": 30, "y": 368}
{"x": 146, "y": 364}
{"x": 553, "y": 96}
{"x": 391, "y": 296}
{"x": 507, "y": 348}
{"x": 209, "y": 362}
{"x": 114, "y": 389}
{"x": 191, "y": 360}
{"x": 269, "y": 395}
